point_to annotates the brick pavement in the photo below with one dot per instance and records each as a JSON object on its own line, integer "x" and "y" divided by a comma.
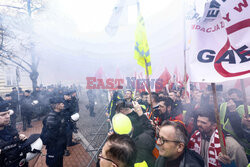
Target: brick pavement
{"x": 78, "y": 156}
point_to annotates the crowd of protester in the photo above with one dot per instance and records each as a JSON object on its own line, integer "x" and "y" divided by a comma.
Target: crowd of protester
{"x": 171, "y": 129}
{"x": 147, "y": 130}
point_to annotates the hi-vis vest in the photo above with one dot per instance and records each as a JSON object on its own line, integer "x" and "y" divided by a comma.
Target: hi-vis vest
{"x": 141, "y": 164}
{"x": 112, "y": 104}
{"x": 228, "y": 127}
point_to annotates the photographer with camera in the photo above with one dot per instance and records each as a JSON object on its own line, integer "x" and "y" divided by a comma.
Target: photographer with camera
{"x": 143, "y": 133}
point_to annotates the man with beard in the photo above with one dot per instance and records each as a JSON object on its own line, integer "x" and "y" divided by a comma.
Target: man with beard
{"x": 128, "y": 96}
{"x": 167, "y": 112}
{"x": 232, "y": 113}
{"x": 205, "y": 141}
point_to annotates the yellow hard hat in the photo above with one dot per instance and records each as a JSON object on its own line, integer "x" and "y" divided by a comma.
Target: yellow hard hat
{"x": 121, "y": 124}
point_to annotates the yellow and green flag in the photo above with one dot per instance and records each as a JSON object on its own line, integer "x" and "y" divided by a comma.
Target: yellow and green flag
{"x": 142, "y": 54}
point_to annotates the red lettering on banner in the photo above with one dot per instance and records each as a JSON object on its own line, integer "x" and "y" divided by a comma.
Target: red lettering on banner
{"x": 110, "y": 83}
{"x": 90, "y": 83}
{"x": 197, "y": 27}
{"x": 227, "y": 18}
{"x": 119, "y": 81}
{"x": 220, "y": 69}
{"x": 100, "y": 84}
{"x": 222, "y": 24}
{"x": 239, "y": 8}
{"x": 209, "y": 30}
{"x": 216, "y": 28}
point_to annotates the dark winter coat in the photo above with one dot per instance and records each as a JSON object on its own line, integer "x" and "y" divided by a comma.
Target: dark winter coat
{"x": 190, "y": 159}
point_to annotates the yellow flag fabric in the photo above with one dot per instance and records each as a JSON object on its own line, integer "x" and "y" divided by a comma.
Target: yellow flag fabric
{"x": 142, "y": 54}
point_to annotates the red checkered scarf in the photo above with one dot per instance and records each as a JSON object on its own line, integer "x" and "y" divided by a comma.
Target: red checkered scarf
{"x": 214, "y": 147}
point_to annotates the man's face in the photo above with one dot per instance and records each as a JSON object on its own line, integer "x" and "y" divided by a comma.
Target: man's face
{"x": 60, "y": 106}
{"x": 234, "y": 97}
{"x": 172, "y": 96}
{"x": 8, "y": 98}
{"x": 128, "y": 95}
{"x": 67, "y": 97}
{"x": 162, "y": 107}
{"x": 197, "y": 96}
{"x": 169, "y": 149}
{"x": 26, "y": 94}
{"x": 105, "y": 160}
{"x": 231, "y": 105}
{"x": 205, "y": 126}
{"x": 4, "y": 118}
{"x": 145, "y": 98}
{"x": 73, "y": 94}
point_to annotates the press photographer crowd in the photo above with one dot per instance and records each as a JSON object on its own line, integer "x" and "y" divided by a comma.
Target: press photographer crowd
{"x": 160, "y": 129}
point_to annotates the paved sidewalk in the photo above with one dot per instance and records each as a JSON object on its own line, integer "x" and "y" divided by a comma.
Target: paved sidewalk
{"x": 78, "y": 156}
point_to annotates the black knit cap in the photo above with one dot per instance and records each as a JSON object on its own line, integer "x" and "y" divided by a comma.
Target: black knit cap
{"x": 28, "y": 91}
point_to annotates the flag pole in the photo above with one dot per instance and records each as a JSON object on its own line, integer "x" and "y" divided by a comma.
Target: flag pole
{"x": 149, "y": 90}
{"x": 217, "y": 116}
{"x": 244, "y": 97}
{"x": 185, "y": 48}
{"x": 146, "y": 66}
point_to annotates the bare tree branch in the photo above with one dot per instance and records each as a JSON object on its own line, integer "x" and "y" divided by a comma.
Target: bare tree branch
{"x": 10, "y": 53}
{"x": 15, "y": 7}
{"x": 3, "y": 62}
{"x": 34, "y": 9}
{"x": 13, "y": 61}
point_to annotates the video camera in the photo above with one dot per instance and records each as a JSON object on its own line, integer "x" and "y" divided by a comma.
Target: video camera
{"x": 128, "y": 104}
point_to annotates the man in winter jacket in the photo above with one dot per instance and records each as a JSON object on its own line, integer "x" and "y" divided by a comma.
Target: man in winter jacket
{"x": 205, "y": 141}
{"x": 172, "y": 141}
